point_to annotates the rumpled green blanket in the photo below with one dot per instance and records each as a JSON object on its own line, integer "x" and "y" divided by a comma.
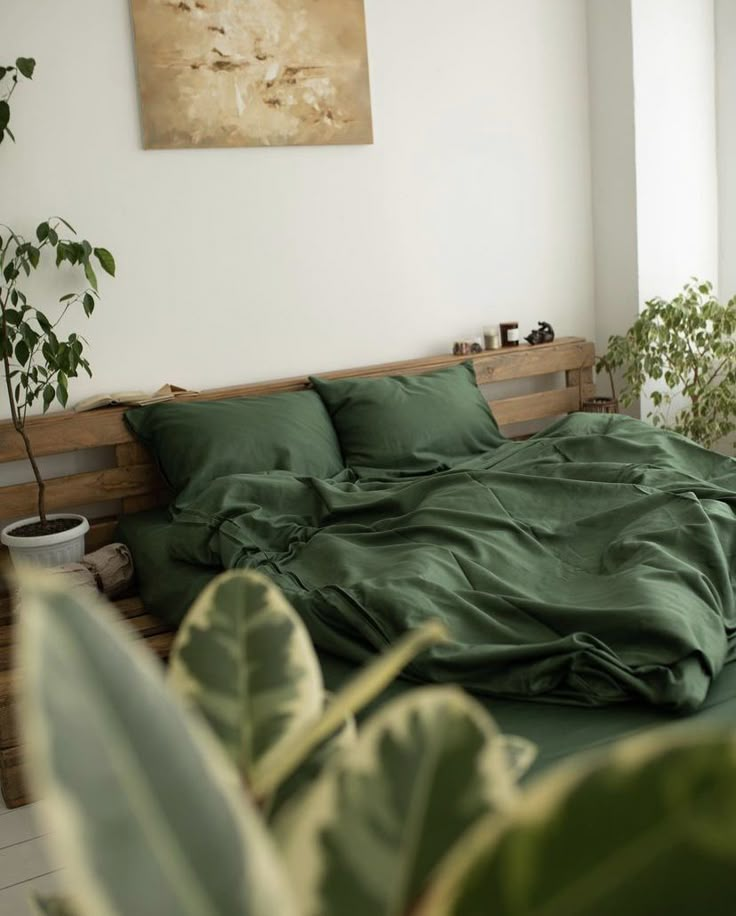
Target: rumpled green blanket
{"x": 591, "y": 564}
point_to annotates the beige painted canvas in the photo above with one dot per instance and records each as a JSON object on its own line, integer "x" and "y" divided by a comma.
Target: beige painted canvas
{"x": 252, "y": 72}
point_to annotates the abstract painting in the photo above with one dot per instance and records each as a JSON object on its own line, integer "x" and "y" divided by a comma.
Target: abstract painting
{"x": 252, "y": 72}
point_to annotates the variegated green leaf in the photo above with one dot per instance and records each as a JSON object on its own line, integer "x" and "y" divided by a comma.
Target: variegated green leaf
{"x": 141, "y": 804}
{"x": 311, "y": 768}
{"x": 278, "y": 765}
{"x": 649, "y": 828}
{"x": 520, "y": 754}
{"x": 367, "y": 837}
{"x": 245, "y": 659}
{"x": 50, "y": 906}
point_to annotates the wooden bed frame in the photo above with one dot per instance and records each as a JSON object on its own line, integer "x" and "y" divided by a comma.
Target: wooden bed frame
{"x": 129, "y": 481}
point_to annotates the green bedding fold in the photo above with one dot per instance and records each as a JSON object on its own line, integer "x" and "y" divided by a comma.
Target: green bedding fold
{"x": 590, "y": 564}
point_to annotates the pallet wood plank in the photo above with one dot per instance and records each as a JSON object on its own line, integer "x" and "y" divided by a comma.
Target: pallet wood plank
{"x": 535, "y": 406}
{"x": 146, "y": 501}
{"x": 582, "y": 379}
{"x": 11, "y": 777}
{"x": 131, "y": 453}
{"x": 155, "y": 633}
{"x": 536, "y": 361}
{"x": 101, "y": 533}
{"x": 80, "y": 489}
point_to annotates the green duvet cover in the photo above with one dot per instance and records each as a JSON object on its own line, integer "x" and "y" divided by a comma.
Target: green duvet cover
{"x": 589, "y": 565}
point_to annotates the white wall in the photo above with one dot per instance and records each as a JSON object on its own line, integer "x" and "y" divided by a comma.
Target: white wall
{"x": 613, "y": 156}
{"x": 677, "y": 178}
{"x": 473, "y": 206}
{"x": 726, "y": 106}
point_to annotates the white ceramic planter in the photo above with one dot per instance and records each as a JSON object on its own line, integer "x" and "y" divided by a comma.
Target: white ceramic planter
{"x": 47, "y": 549}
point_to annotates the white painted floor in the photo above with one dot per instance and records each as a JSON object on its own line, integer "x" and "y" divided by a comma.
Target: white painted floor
{"x": 24, "y": 863}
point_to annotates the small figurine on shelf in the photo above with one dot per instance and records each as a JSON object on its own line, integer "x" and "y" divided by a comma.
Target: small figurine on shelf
{"x": 467, "y": 347}
{"x": 543, "y": 334}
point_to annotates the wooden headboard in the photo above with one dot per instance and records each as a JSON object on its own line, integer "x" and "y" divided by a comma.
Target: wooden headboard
{"x": 129, "y": 481}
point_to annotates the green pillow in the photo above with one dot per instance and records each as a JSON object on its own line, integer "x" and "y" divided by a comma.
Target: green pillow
{"x": 194, "y": 442}
{"x": 410, "y": 423}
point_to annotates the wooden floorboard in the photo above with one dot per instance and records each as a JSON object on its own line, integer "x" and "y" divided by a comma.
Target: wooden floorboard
{"x": 19, "y": 825}
{"x": 14, "y": 899}
{"x": 25, "y": 866}
{"x": 23, "y": 862}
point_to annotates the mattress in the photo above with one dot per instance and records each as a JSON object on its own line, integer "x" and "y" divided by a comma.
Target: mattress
{"x": 168, "y": 587}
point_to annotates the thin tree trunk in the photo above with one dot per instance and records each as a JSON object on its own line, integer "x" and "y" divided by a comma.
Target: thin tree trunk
{"x": 20, "y": 428}
{"x": 37, "y": 474}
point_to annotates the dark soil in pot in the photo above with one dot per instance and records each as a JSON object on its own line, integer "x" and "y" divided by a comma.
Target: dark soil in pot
{"x": 53, "y": 526}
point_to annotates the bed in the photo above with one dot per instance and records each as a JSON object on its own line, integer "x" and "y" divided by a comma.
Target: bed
{"x": 558, "y": 730}
{"x": 496, "y": 517}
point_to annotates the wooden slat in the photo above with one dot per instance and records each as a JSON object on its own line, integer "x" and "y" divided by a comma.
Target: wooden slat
{"x": 134, "y": 454}
{"x": 535, "y": 361}
{"x": 6, "y": 609}
{"x": 156, "y": 634}
{"x": 80, "y": 489}
{"x": 146, "y": 501}
{"x": 9, "y": 736}
{"x": 582, "y": 379}
{"x": 535, "y": 406}
{"x": 65, "y": 431}
{"x": 57, "y": 433}
{"x": 161, "y": 644}
{"x": 130, "y": 608}
{"x": 11, "y": 777}
{"x": 131, "y": 453}
{"x": 101, "y": 533}
{"x": 144, "y": 625}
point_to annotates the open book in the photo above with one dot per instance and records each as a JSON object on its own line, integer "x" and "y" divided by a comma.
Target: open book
{"x": 131, "y": 398}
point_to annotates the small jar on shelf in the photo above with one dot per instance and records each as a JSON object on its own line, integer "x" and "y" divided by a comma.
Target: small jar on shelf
{"x": 510, "y": 335}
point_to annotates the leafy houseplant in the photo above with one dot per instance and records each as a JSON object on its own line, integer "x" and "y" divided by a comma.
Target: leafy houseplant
{"x": 37, "y": 362}
{"x": 684, "y": 349}
{"x": 233, "y": 790}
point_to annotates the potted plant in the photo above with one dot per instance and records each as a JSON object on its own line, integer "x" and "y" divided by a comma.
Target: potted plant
{"x": 682, "y": 354}
{"x": 37, "y": 361}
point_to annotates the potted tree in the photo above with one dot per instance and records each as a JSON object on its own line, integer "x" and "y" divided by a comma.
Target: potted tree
{"x": 37, "y": 361}
{"x": 682, "y": 354}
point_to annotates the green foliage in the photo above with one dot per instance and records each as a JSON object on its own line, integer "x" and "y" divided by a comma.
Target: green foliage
{"x": 266, "y": 687}
{"x": 651, "y": 828}
{"x": 423, "y": 771}
{"x": 171, "y": 835}
{"x": 37, "y": 361}
{"x": 683, "y": 349}
{"x": 417, "y": 814}
{"x": 9, "y": 76}
{"x": 265, "y": 699}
